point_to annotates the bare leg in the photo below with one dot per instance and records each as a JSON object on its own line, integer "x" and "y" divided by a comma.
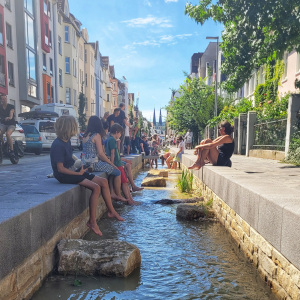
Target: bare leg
{"x": 102, "y": 182}
{"x": 168, "y": 162}
{"x": 126, "y": 192}
{"x": 9, "y": 139}
{"x": 93, "y": 202}
{"x": 174, "y": 165}
{"x": 115, "y": 188}
{"x": 156, "y": 163}
{"x": 130, "y": 178}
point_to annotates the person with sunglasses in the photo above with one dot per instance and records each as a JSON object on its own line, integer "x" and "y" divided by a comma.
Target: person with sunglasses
{"x": 217, "y": 151}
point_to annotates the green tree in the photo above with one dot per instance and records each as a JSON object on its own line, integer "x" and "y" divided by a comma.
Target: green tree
{"x": 194, "y": 108}
{"x": 255, "y": 31}
{"x": 81, "y": 108}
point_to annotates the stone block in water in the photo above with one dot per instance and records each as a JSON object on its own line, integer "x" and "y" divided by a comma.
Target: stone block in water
{"x": 190, "y": 211}
{"x": 104, "y": 257}
{"x": 154, "y": 182}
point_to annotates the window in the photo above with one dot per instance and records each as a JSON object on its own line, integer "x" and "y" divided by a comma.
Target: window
{"x": 85, "y": 79}
{"x": 60, "y": 77}
{"x": 2, "y": 70}
{"x": 48, "y": 92}
{"x": 9, "y": 42}
{"x": 67, "y": 34}
{"x": 52, "y": 94}
{"x": 74, "y": 38}
{"x": 31, "y": 73}
{"x": 298, "y": 63}
{"x": 285, "y": 61}
{"x": 32, "y": 90}
{"x": 92, "y": 59}
{"x": 59, "y": 45}
{"x": 28, "y": 6}
{"x": 51, "y": 66}
{"x": 44, "y": 62}
{"x": 74, "y": 68}
{"x": 46, "y": 34}
{"x": 1, "y": 30}
{"x": 11, "y": 78}
{"x": 75, "y": 97}
{"x": 29, "y": 31}
{"x": 49, "y": 10}
{"x": 68, "y": 95}
{"x": 67, "y": 65}
{"x": 50, "y": 38}
{"x": 45, "y": 7}
{"x": 85, "y": 55}
{"x": 7, "y": 4}
{"x": 59, "y": 18}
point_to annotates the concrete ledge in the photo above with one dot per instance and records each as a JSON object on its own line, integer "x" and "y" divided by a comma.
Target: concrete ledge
{"x": 266, "y": 203}
{"x": 267, "y": 154}
{"x": 32, "y": 220}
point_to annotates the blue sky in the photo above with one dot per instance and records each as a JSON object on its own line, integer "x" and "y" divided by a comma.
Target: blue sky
{"x": 150, "y": 42}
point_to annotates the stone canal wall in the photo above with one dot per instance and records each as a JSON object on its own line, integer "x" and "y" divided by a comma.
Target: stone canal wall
{"x": 28, "y": 249}
{"x": 236, "y": 207}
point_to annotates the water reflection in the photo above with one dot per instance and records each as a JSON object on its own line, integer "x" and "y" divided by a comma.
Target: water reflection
{"x": 180, "y": 260}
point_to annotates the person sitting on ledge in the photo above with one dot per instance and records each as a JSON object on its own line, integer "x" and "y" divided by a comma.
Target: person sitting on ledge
{"x": 218, "y": 151}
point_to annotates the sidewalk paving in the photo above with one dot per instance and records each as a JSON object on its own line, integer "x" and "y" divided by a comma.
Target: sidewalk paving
{"x": 263, "y": 174}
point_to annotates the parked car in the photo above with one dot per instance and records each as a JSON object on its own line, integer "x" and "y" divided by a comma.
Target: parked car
{"x": 44, "y": 122}
{"x": 33, "y": 139}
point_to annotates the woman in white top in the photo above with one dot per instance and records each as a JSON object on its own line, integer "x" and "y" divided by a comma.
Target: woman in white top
{"x": 179, "y": 153}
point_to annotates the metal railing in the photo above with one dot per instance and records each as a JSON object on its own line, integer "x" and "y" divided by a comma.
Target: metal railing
{"x": 270, "y": 135}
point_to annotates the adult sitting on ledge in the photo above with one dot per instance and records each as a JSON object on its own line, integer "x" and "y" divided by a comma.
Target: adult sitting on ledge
{"x": 218, "y": 151}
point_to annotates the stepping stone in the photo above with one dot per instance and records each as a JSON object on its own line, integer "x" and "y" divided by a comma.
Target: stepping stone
{"x": 105, "y": 257}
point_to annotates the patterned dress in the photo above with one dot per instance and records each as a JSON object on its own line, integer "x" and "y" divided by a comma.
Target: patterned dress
{"x": 90, "y": 153}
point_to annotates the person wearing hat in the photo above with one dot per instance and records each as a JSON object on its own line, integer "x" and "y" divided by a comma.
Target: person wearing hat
{"x": 7, "y": 121}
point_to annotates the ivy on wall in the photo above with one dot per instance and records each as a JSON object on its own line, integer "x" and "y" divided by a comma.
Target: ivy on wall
{"x": 267, "y": 102}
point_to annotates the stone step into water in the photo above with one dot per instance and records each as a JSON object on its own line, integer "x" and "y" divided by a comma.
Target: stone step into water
{"x": 190, "y": 211}
{"x": 104, "y": 257}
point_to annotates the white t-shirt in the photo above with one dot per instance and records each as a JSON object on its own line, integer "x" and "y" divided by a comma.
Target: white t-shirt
{"x": 182, "y": 145}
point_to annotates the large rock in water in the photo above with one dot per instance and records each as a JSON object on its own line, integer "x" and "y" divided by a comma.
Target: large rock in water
{"x": 154, "y": 182}
{"x": 105, "y": 257}
{"x": 190, "y": 211}
{"x": 178, "y": 201}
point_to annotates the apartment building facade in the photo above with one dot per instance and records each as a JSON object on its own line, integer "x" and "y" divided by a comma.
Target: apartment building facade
{"x": 45, "y": 57}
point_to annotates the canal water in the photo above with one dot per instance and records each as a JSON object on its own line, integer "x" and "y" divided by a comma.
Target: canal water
{"x": 180, "y": 260}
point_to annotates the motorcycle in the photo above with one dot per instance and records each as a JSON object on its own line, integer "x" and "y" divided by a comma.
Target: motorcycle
{"x": 4, "y": 150}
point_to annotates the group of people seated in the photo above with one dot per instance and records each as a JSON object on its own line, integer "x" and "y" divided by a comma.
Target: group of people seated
{"x": 101, "y": 154}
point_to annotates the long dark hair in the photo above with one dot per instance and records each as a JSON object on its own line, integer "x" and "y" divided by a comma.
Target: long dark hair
{"x": 227, "y": 126}
{"x": 94, "y": 126}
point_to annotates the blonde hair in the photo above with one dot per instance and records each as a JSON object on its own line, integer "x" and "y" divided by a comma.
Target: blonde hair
{"x": 66, "y": 127}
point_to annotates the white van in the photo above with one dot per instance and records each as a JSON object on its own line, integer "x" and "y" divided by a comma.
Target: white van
{"x": 61, "y": 110}
{"x": 44, "y": 122}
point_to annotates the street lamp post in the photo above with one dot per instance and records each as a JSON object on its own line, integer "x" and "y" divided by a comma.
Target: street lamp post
{"x": 216, "y": 80}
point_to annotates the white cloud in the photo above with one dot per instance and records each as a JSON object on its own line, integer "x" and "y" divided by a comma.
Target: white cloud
{"x": 147, "y": 3}
{"x": 164, "y": 39}
{"x": 149, "y": 20}
{"x": 171, "y": 1}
